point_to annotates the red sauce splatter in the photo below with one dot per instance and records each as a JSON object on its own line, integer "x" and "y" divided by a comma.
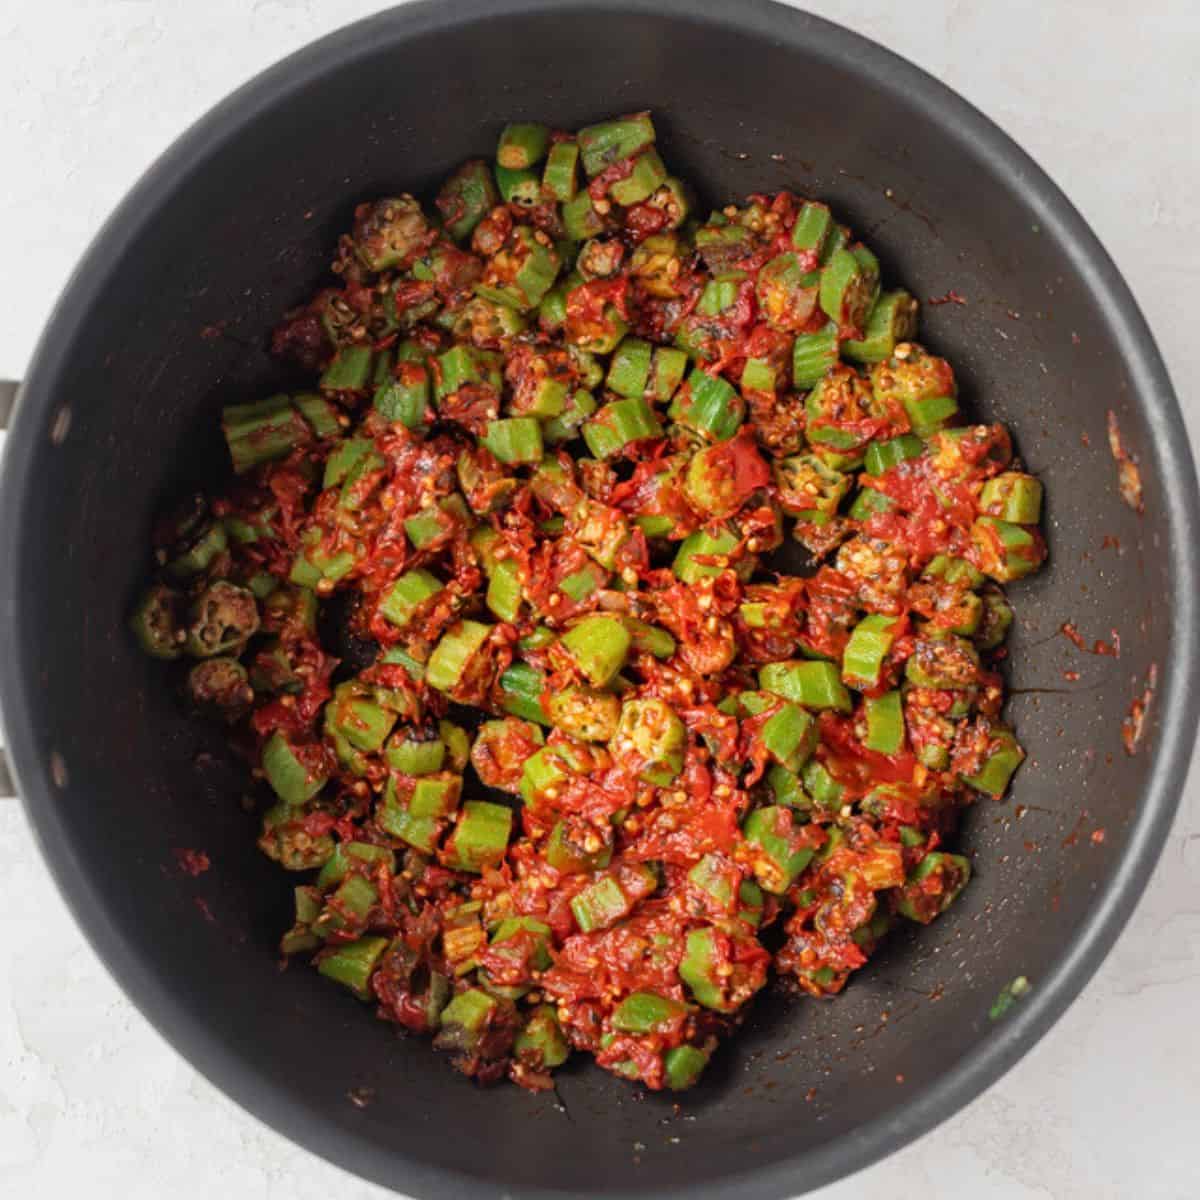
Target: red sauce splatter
{"x": 1133, "y": 727}
{"x": 1073, "y": 837}
{"x": 192, "y": 862}
{"x": 1129, "y": 477}
{"x": 1104, "y": 649}
{"x": 951, "y": 297}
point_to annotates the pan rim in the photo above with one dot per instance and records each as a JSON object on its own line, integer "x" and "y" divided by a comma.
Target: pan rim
{"x": 1178, "y": 699}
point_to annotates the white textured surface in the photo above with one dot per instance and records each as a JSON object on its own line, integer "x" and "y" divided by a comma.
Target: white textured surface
{"x": 1104, "y": 94}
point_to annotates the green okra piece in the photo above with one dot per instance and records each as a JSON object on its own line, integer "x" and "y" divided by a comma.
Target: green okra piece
{"x": 891, "y": 321}
{"x": 711, "y": 406}
{"x": 405, "y": 396}
{"x": 868, "y": 503}
{"x": 647, "y": 1012}
{"x": 521, "y": 686}
{"x": 568, "y": 850}
{"x": 790, "y": 736}
{"x": 221, "y": 620}
{"x": 805, "y": 483}
{"x": 504, "y": 594}
{"x": 645, "y": 178}
{"x": 519, "y": 186}
{"x": 667, "y": 368}
{"x": 885, "y": 723}
{"x": 353, "y": 716}
{"x": 813, "y": 356}
{"x": 415, "y": 752}
{"x": 1012, "y": 496}
{"x": 340, "y": 862}
{"x": 702, "y": 544}
{"x": 350, "y": 370}
{"x": 942, "y": 661}
{"x": 560, "y": 175}
{"x": 515, "y": 440}
{"x": 480, "y": 836}
{"x": 291, "y": 772}
{"x": 787, "y": 291}
{"x": 779, "y": 854}
{"x": 453, "y": 655}
{"x": 522, "y": 143}
{"x": 629, "y": 370}
{"x": 266, "y": 430}
{"x": 598, "y": 646}
{"x": 353, "y": 964}
{"x": 850, "y": 287}
{"x": 618, "y": 424}
{"x": 407, "y": 594}
{"x": 220, "y": 686}
{"x": 932, "y": 886}
{"x": 435, "y": 795}
{"x": 1004, "y": 755}
{"x": 608, "y": 142}
{"x": 605, "y": 902}
{"x": 155, "y": 622}
{"x": 580, "y": 218}
{"x": 656, "y": 735}
{"x": 466, "y": 197}
{"x": 813, "y": 228}
{"x": 883, "y": 456}
{"x": 814, "y": 684}
{"x": 579, "y": 406}
{"x": 683, "y": 1066}
{"x": 540, "y": 1043}
{"x": 869, "y": 644}
{"x": 825, "y": 791}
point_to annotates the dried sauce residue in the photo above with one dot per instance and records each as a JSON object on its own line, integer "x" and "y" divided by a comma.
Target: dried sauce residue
{"x": 192, "y": 862}
{"x": 951, "y": 297}
{"x": 1129, "y": 478}
{"x": 1105, "y": 649}
{"x": 1133, "y": 727}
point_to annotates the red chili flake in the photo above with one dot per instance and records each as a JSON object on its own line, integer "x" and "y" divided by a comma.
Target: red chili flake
{"x": 1111, "y": 543}
{"x": 1084, "y": 439}
{"x": 1098, "y": 836}
{"x": 1133, "y": 727}
{"x": 951, "y": 297}
{"x": 1071, "y": 676}
{"x": 205, "y": 911}
{"x": 1129, "y": 478}
{"x": 192, "y": 862}
{"x": 899, "y": 1078}
{"x": 1075, "y": 342}
{"x": 211, "y": 332}
{"x": 810, "y": 1095}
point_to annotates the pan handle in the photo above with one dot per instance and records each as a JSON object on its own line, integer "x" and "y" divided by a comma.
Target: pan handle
{"x": 8, "y": 402}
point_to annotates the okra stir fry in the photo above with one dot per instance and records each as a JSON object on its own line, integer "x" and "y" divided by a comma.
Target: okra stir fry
{"x": 598, "y": 772}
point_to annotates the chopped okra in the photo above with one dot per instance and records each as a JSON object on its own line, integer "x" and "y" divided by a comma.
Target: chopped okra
{"x": 569, "y": 758}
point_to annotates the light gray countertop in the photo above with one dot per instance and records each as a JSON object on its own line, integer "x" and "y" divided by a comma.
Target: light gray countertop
{"x": 1106, "y": 96}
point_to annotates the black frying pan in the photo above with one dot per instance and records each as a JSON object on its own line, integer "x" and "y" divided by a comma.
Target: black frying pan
{"x": 165, "y": 320}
